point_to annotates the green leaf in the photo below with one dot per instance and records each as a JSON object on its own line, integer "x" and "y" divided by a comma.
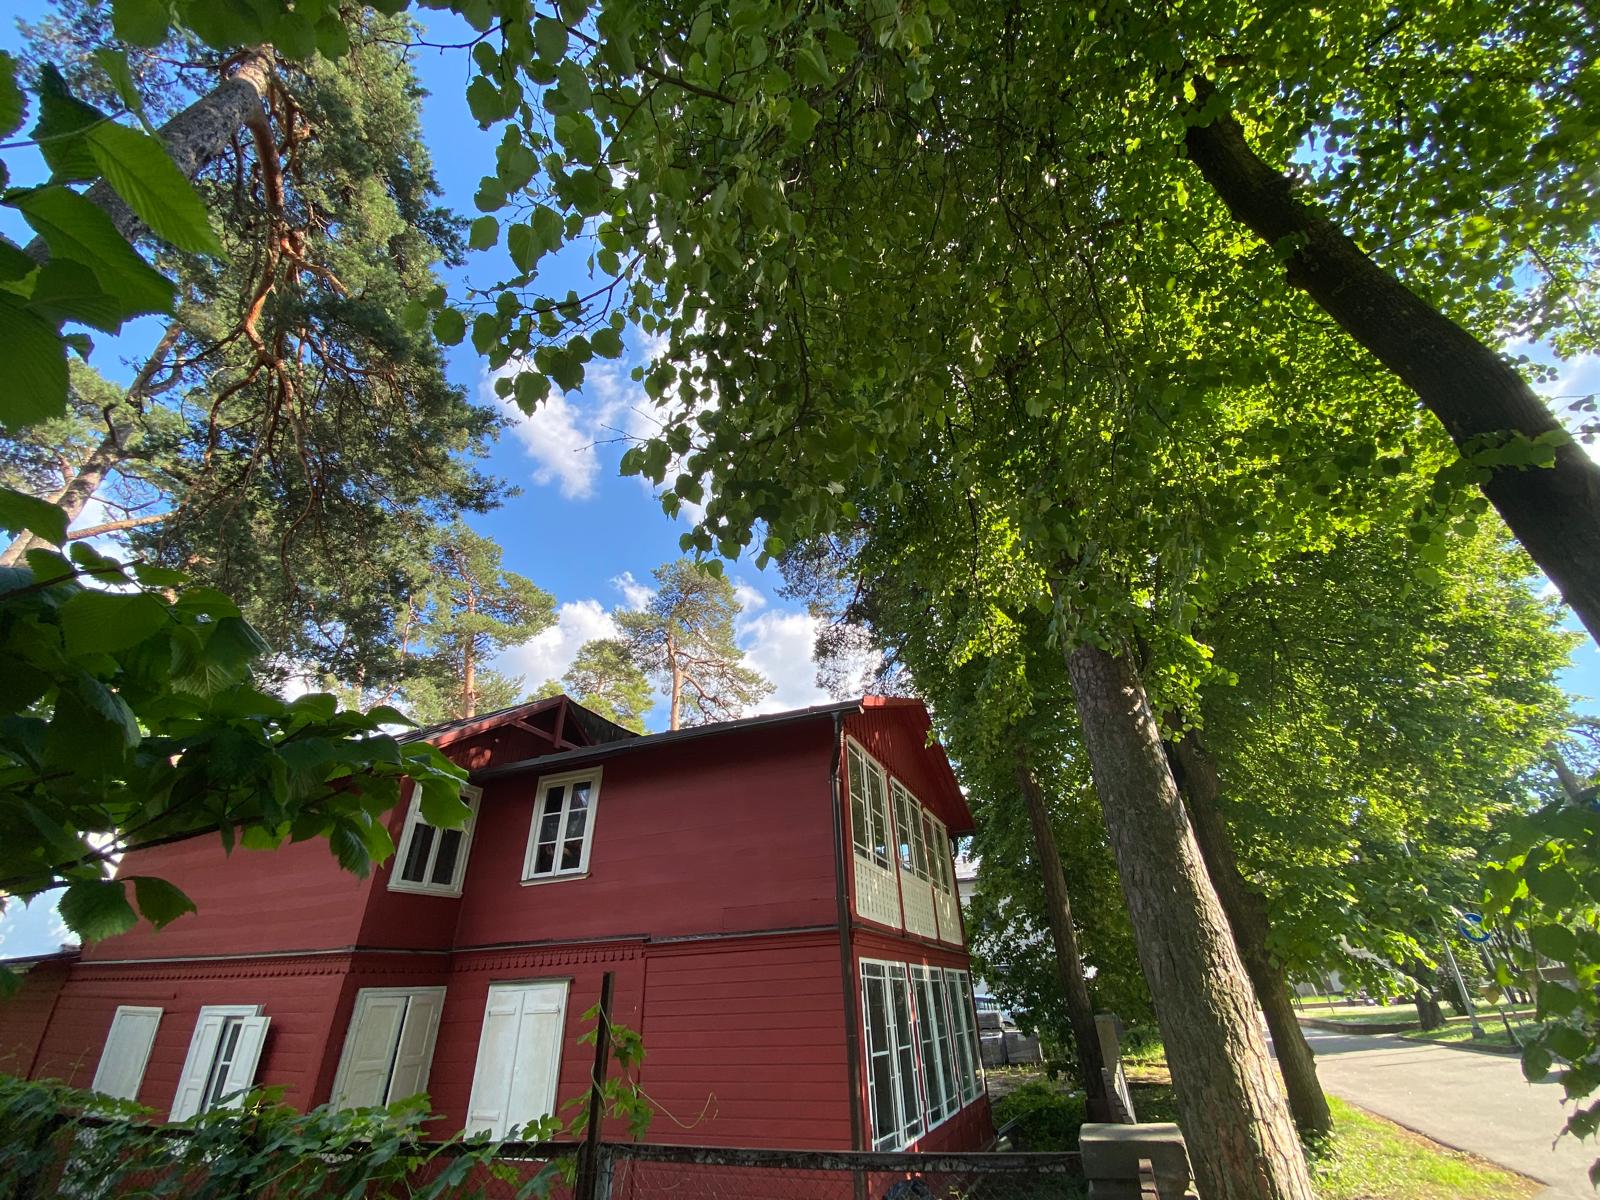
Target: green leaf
{"x": 61, "y": 130}
{"x": 607, "y": 343}
{"x": 97, "y": 908}
{"x": 77, "y": 228}
{"x": 810, "y": 67}
{"x": 449, "y": 327}
{"x": 36, "y": 366}
{"x": 13, "y": 104}
{"x": 549, "y": 39}
{"x": 19, "y": 511}
{"x": 140, "y": 22}
{"x": 1535, "y": 1062}
{"x": 67, "y": 290}
{"x": 1554, "y": 886}
{"x": 802, "y": 121}
{"x": 99, "y": 621}
{"x": 115, "y": 65}
{"x": 442, "y": 805}
{"x": 160, "y": 902}
{"x": 578, "y": 137}
{"x": 483, "y": 234}
{"x": 522, "y": 247}
{"x": 141, "y": 171}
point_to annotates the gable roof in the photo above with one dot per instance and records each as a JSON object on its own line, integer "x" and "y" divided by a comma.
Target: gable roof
{"x": 588, "y": 754}
{"x": 596, "y": 728}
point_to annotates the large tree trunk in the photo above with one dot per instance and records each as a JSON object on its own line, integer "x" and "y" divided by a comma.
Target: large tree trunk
{"x": 1241, "y": 1139}
{"x": 1247, "y": 917}
{"x": 195, "y": 136}
{"x": 1069, "y": 962}
{"x": 1555, "y": 511}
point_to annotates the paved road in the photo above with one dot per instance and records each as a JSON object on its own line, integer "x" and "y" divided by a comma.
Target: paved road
{"x": 1466, "y": 1099}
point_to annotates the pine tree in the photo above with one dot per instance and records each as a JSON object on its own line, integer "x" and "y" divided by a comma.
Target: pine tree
{"x": 469, "y": 609}
{"x": 683, "y": 638}
{"x": 288, "y": 439}
{"x": 605, "y": 677}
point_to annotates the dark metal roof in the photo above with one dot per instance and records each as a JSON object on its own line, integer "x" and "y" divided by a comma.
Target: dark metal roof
{"x": 587, "y": 754}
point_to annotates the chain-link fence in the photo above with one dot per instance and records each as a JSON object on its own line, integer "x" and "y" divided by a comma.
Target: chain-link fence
{"x": 96, "y": 1159}
{"x": 651, "y": 1172}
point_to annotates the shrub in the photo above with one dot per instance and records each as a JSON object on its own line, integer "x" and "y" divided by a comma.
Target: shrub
{"x": 1047, "y": 1119}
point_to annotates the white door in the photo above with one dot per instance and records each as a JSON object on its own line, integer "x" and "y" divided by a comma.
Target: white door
{"x": 389, "y": 1048}
{"x": 519, "y": 1056}
{"x": 122, "y": 1062}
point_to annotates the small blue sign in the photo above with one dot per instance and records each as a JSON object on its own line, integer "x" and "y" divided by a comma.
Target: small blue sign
{"x": 1471, "y": 927}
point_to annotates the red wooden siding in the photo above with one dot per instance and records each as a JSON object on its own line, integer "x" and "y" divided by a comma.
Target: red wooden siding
{"x": 744, "y": 1043}
{"x": 25, "y": 1015}
{"x": 297, "y": 993}
{"x": 721, "y": 834}
{"x": 896, "y": 735}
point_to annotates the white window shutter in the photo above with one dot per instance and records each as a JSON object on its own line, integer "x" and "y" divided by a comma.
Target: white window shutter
{"x": 127, "y": 1050}
{"x": 196, "y": 1065}
{"x": 414, "y": 1055}
{"x": 242, "y": 1071}
{"x": 497, "y": 1055}
{"x": 369, "y": 1050}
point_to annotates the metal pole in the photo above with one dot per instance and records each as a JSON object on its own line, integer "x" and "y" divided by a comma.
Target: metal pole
{"x": 589, "y": 1153}
{"x": 1461, "y": 984}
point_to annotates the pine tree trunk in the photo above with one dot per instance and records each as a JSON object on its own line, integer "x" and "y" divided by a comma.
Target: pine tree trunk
{"x": 1069, "y": 962}
{"x": 195, "y": 136}
{"x": 1247, "y": 917}
{"x": 1241, "y": 1139}
{"x": 1555, "y": 511}
{"x": 677, "y": 685}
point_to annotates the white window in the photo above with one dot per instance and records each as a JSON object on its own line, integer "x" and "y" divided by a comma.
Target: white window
{"x": 519, "y": 1057}
{"x": 122, "y": 1062}
{"x": 388, "y": 1049}
{"x": 431, "y": 859}
{"x": 869, "y": 814}
{"x": 892, "y": 1087}
{"x": 969, "y": 1063}
{"x": 913, "y": 840}
{"x": 222, "y": 1059}
{"x": 941, "y": 1085}
{"x": 563, "y": 826}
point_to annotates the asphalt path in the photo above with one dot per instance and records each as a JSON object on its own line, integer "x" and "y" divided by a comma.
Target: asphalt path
{"x": 1469, "y": 1100}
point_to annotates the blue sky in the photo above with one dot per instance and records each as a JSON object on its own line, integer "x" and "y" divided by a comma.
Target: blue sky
{"x": 580, "y": 531}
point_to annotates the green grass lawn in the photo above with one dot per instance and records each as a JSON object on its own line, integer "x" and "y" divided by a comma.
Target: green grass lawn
{"x": 1460, "y": 1034}
{"x": 1368, "y": 1157}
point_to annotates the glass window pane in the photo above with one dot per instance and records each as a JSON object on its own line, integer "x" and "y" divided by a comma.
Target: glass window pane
{"x": 580, "y": 795}
{"x": 879, "y": 803}
{"x": 444, "y": 864}
{"x": 415, "y": 868}
{"x": 906, "y": 1057}
{"x": 576, "y": 821}
{"x": 544, "y": 859}
{"x": 572, "y": 854}
{"x": 550, "y": 826}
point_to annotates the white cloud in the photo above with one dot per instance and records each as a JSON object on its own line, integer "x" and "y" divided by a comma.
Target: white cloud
{"x": 749, "y": 597}
{"x": 634, "y": 594}
{"x": 548, "y": 655}
{"x": 561, "y": 444}
{"x": 779, "y": 644}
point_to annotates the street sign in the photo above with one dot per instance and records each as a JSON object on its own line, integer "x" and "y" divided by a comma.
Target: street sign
{"x": 1471, "y": 927}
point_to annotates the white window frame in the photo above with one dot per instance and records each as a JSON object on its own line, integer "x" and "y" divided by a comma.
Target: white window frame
{"x": 414, "y": 818}
{"x": 364, "y": 997}
{"x": 249, "y": 1017}
{"x": 912, "y": 840}
{"x": 127, "y": 1050}
{"x": 902, "y": 1044}
{"x": 865, "y": 837}
{"x": 591, "y": 776}
{"x": 964, "y": 1029}
{"x": 930, "y": 988}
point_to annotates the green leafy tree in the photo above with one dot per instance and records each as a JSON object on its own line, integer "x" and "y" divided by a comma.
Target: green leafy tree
{"x": 466, "y": 610}
{"x": 128, "y": 712}
{"x": 288, "y": 440}
{"x": 604, "y": 676}
{"x": 683, "y": 638}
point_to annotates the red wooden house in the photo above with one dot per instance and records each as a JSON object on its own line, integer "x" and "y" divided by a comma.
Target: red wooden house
{"x": 774, "y": 897}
